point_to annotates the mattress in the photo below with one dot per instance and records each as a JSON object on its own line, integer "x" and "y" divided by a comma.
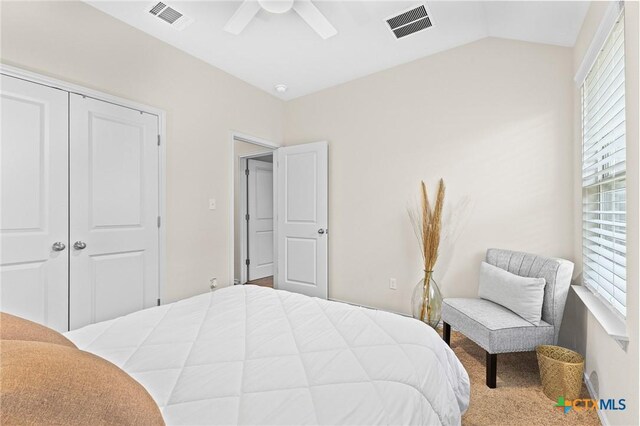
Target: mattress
{"x": 254, "y": 355}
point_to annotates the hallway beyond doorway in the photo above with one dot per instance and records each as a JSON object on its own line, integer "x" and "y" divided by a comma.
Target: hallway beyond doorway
{"x": 263, "y": 282}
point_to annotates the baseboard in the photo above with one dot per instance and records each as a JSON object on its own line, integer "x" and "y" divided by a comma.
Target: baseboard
{"x": 592, "y": 393}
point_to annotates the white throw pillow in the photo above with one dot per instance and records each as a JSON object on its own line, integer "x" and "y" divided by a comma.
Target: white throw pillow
{"x": 522, "y": 295}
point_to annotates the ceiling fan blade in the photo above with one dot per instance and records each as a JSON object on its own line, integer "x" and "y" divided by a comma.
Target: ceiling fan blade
{"x": 242, "y": 17}
{"x": 314, "y": 18}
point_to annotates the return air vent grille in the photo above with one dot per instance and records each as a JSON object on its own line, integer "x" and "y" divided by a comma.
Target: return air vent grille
{"x": 409, "y": 22}
{"x": 169, "y": 15}
{"x": 407, "y": 17}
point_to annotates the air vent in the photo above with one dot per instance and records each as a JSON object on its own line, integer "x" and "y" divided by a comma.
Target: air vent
{"x": 409, "y": 22}
{"x": 157, "y": 8}
{"x": 169, "y": 15}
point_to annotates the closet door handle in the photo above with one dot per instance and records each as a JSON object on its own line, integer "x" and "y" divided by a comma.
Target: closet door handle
{"x": 79, "y": 245}
{"x": 58, "y": 246}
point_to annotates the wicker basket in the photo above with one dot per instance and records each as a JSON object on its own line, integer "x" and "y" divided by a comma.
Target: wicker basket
{"x": 560, "y": 371}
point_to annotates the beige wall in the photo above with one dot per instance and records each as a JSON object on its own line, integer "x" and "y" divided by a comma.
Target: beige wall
{"x": 75, "y": 42}
{"x": 493, "y": 118}
{"x": 612, "y": 370}
{"x": 242, "y": 149}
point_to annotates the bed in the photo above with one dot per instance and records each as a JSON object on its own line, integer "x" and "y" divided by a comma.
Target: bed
{"x": 254, "y": 355}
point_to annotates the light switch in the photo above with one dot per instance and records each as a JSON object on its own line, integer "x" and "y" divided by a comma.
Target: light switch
{"x": 212, "y": 203}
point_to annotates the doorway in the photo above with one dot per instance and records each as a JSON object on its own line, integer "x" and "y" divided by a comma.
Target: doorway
{"x": 280, "y": 215}
{"x": 253, "y": 255}
{"x": 258, "y": 220}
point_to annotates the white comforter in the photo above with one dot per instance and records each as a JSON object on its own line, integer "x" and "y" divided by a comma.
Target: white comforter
{"x": 253, "y": 355}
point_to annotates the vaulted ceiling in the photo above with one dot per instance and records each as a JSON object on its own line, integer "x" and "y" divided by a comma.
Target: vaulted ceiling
{"x": 282, "y": 49}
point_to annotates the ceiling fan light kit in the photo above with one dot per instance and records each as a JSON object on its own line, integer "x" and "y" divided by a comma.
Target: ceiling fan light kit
{"x": 304, "y": 8}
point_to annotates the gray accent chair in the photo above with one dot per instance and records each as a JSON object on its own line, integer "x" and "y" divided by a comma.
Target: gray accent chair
{"x": 497, "y": 329}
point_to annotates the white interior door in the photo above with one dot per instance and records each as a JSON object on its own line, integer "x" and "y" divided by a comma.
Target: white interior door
{"x": 33, "y": 214}
{"x": 302, "y": 234}
{"x": 113, "y": 210}
{"x": 260, "y": 198}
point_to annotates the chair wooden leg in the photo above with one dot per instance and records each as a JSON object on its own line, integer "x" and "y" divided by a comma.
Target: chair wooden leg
{"x": 446, "y": 333}
{"x": 492, "y": 364}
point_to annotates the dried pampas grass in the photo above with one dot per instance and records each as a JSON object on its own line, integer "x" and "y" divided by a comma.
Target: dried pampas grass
{"x": 427, "y": 225}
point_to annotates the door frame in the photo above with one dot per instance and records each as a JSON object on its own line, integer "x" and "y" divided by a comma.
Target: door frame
{"x": 243, "y": 137}
{"x": 244, "y": 231}
{"x": 65, "y": 86}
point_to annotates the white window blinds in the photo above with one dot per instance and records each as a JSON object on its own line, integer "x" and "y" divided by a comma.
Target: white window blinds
{"x": 604, "y": 172}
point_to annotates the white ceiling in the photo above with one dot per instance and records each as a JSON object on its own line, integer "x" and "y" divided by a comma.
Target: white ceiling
{"x": 282, "y": 49}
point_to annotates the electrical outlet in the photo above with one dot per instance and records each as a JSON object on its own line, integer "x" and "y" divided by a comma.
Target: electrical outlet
{"x": 392, "y": 284}
{"x": 213, "y": 283}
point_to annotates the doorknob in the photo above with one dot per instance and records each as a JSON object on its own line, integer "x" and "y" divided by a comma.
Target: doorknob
{"x": 320, "y": 231}
{"x": 79, "y": 245}
{"x": 58, "y": 246}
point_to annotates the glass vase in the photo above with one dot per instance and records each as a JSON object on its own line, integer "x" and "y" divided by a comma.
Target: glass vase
{"x": 426, "y": 302}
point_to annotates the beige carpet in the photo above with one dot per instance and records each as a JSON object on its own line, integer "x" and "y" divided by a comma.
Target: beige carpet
{"x": 518, "y": 398}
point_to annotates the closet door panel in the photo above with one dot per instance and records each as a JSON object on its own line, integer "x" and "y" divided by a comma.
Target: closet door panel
{"x": 113, "y": 210}
{"x": 34, "y": 202}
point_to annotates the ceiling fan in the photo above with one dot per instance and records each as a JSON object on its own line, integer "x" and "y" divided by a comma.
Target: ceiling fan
{"x": 307, "y": 11}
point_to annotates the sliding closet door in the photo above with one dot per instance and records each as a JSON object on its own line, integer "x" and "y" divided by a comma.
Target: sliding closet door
{"x": 113, "y": 210}
{"x": 33, "y": 213}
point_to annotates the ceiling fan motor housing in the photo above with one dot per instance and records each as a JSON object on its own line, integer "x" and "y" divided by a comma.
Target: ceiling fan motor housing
{"x": 276, "y": 6}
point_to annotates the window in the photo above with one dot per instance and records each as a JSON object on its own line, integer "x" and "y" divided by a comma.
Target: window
{"x": 604, "y": 173}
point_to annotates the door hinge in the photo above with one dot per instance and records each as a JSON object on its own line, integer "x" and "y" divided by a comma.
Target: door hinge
{"x": 246, "y": 172}
{"x": 158, "y": 140}
{"x": 246, "y": 217}
{"x": 247, "y": 262}
{"x": 158, "y": 221}
{"x": 158, "y": 302}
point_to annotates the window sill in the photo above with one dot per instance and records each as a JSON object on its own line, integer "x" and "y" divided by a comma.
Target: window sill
{"x": 613, "y": 325}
